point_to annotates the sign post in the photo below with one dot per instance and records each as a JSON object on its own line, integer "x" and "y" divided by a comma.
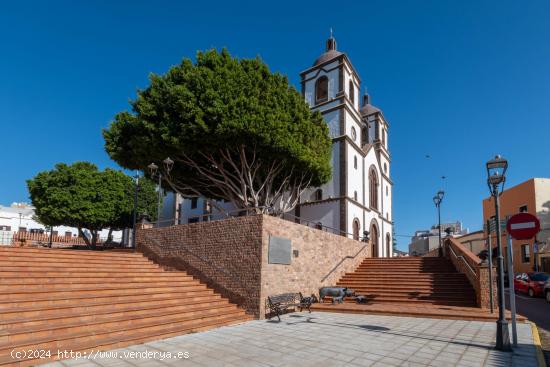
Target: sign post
{"x": 512, "y": 291}
{"x": 521, "y": 226}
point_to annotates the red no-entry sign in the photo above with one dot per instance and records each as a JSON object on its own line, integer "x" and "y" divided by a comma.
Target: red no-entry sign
{"x": 523, "y": 226}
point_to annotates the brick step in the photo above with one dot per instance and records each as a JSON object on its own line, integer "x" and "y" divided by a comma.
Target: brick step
{"x": 407, "y": 261}
{"x": 409, "y": 270}
{"x": 69, "y": 252}
{"x": 112, "y": 337}
{"x": 30, "y": 334}
{"x": 98, "y": 307}
{"x": 52, "y": 262}
{"x": 25, "y": 258}
{"x": 35, "y": 325}
{"x": 406, "y": 288}
{"x": 405, "y": 277}
{"x": 97, "y": 285}
{"x": 415, "y": 295}
{"x": 406, "y": 266}
{"x": 408, "y": 281}
{"x": 78, "y": 299}
{"x": 386, "y": 299}
{"x": 406, "y": 274}
{"x": 412, "y": 266}
{"x": 23, "y": 293}
{"x": 45, "y": 267}
{"x": 92, "y": 278}
{"x": 404, "y": 271}
{"x": 35, "y": 272}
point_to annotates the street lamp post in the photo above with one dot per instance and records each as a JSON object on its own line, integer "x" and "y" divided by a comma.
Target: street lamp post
{"x": 496, "y": 171}
{"x": 437, "y": 201}
{"x": 134, "y": 220}
{"x": 154, "y": 171}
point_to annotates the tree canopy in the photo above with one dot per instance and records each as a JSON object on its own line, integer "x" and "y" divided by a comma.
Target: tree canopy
{"x": 79, "y": 195}
{"x": 235, "y": 130}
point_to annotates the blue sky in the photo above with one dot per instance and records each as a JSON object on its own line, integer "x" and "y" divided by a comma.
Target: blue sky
{"x": 457, "y": 80}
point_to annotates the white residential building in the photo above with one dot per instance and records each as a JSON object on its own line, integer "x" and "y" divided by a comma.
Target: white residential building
{"x": 19, "y": 217}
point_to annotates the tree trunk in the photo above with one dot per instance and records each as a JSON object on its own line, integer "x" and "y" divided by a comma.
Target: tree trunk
{"x": 109, "y": 238}
{"x": 94, "y": 239}
{"x": 84, "y": 237}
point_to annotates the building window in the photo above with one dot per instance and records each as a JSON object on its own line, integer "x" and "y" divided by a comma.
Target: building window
{"x": 385, "y": 168}
{"x": 353, "y": 134}
{"x": 68, "y": 234}
{"x": 355, "y": 195}
{"x": 193, "y": 220}
{"x": 373, "y": 189}
{"x": 355, "y": 162}
{"x": 525, "y": 254}
{"x": 23, "y": 229}
{"x": 5, "y": 228}
{"x": 356, "y": 229}
{"x": 321, "y": 89}
{"x": 351, "y": 93}
{"x": 194, "y": 202}
{"x": 319, "y": 194}
{"x": 523, "y": 209}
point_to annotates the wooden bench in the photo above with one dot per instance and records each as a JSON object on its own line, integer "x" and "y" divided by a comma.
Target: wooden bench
{"x": 280, "y": 303}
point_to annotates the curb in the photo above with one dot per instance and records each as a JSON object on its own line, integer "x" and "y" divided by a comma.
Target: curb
{"x": 536, "y": 341}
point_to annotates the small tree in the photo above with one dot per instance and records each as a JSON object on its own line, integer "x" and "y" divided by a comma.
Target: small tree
{"x": 80, "y": 196}
{"x": 235, "y": 130}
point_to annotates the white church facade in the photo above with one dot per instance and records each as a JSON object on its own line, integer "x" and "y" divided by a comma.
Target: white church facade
{"x": 358, "y": 197}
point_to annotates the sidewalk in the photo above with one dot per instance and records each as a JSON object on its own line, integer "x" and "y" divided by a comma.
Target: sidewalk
{"x": 331, "y": 339}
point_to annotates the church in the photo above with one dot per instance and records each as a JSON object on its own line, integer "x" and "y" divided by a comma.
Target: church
{"x": 357, "y": 201}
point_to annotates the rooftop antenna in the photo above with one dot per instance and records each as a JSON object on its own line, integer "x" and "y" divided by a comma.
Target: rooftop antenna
{"x": 330, "y": 32}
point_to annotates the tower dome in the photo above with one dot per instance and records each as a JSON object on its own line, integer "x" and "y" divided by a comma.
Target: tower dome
{"x": 367, "y": 108}
{"x": 330, "y": 52}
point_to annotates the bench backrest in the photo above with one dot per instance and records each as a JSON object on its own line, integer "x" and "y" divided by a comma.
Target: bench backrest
{"x": 284, "y": 298}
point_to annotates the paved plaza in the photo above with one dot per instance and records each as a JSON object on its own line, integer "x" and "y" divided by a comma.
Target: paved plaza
{"x": 329, "y": 339}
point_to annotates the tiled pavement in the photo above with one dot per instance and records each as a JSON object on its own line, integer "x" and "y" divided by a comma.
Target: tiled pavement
{"x": 331, "y": 339}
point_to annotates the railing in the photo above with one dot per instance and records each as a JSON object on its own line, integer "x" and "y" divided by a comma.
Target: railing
{"x": 463, "y": 259}
{"x": 218, "y": 215}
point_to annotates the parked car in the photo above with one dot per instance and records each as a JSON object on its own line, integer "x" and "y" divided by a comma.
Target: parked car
{"x": 530, "y": 283}
{"x": 547, "y": 290}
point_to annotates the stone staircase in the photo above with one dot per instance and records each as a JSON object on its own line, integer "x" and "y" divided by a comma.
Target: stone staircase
{"x": 52, "y": 299}
{"x": 410, "y": 280}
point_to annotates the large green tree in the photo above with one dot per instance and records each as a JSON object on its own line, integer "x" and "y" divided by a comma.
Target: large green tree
{"x": 81, "y": 196}
{"x": 235, "y": 130}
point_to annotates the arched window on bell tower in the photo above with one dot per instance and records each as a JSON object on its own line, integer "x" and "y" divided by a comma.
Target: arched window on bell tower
{"x": 351, "y": 92}
{"x": 321, "y": 90}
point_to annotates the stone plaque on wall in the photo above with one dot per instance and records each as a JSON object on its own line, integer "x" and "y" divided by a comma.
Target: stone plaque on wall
{"x": 279, "y": 251}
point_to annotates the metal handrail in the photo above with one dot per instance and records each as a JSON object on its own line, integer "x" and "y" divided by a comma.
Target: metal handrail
{"x": 227, "y": 214}
{"x": 463, "y": 259}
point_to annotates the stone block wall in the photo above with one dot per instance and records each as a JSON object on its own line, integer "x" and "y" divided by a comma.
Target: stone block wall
{"x": 323, "y": 258}
{"x": 474, "y": 269}
{"x": 231, "y": 256}
{"x": 225, "y": 255}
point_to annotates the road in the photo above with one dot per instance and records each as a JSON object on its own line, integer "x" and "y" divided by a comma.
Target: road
{"x": 535, "y": 309}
